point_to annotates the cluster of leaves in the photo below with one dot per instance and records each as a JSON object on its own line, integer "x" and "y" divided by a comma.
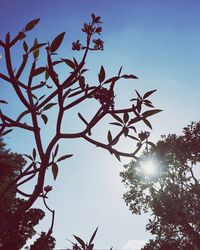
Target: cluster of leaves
{"x": 82, "y": 245}
{"x": 173, "y": 196}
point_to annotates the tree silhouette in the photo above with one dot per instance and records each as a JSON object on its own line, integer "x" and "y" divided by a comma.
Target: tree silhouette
{"x": 10, "y": 164}
{"x": 172, "y": 195}
{"x": 43, "y": 89}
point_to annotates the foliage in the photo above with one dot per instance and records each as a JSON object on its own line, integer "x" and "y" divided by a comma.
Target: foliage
{"x": 82, "y": 245}
{"x": 173, "y": 195}
{"x": 10, "y": 163}
{"x": 44, "y": 242}
{"x": 40, "y": 89}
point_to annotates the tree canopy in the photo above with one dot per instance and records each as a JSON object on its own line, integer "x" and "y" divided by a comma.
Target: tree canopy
{"x": 10, "y": 165}
{"x": 171, "y": 192}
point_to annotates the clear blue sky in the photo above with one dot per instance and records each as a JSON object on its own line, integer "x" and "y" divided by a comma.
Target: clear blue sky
{"x": 157, "y": 40}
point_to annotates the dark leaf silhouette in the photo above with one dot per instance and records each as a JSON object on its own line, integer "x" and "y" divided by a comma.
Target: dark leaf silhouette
{"x": 147, "y": 123}
{"x": 126, "y": 117}
{"x": 2, "y": 101}
{"x": 151, "y": 112}
{"x": 80, "y": 241}
{"x": 69, "y": 63}
{"x": 102, "y": 74}
{"x": 54, "y": 169}
{"x": 6, "y": 132}
{"x": 93, "y": 236}
{"x": 129, "y": 77}
{"x": 109, "y": 137}
{"x": 116, "y": 123}
{"x": 25, "y": 46}
{"x": 120, "y": 70}
{"x": 48, "y": 106}
{"x": 39, "y": 71}
{"x": 112, "y": 79}
{"x": 147, "y": 94}
{"x": 44, "y": 118}
{"x": 34, "y": 154}
{"x": 64, "y": 157}
{"x": 29, "y": 157}
{"x": 31, "y": 24}
{"x": 56, "y": 150}
{"x": 57, "y": 42}
{"x": 133, "y": 137}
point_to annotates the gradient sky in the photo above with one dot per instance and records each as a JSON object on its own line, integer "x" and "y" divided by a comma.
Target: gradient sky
{"x": 157, "y": 40}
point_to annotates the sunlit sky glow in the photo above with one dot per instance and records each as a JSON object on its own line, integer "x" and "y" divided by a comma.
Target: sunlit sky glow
{"x": 158, "y": 41}
{"x": 149, "y": 168}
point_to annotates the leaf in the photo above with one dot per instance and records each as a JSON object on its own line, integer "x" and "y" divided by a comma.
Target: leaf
{"x": 39, "y": 71}
{"x": 109, "y": 137}
{"x": 83, "y": 71}
{"x": 75, "y": 63}
{"x": 120, "y": 70}
{"x": 46, "y": 73}
{"x": 56, "y": 150}
{"x": 6, "y": 132}
{"x": 149, "y": 93}
{"x": 54, "y": 169}
{"x": 134, "y": 120}
{"x": 115, "y": 140}
{"x": 126, "y": 117}
{"x": 82, "y": 82}
{"x": 34, "y": 154}
{"x": 139, "y": 96}
{"x": 31, "y": 24}
{"x": 34, "y": 96}
{"x": 129, "y": 77}
{"x": 102, "y": 74}
{"x": 113, "y": 79}
{"x": 41, "y": 97}
{"x": 64, "y": 157}
{"x": 147, "y": 123}
{"x": 93, "y": 236}
{"x": 2, "y": 101}
{"x": 48, "y": 106}
{"x": 125, "y": 131}
{"x": 57, "y": 42}
{"x": 25, "y": 46}
{"x": 116, "y": 123}
{"x": 151, "y": 112}
{"x": 133, "y": 137}
{"x": 148, "y": 104}
{"x": 29, "y": 156}
{"x": 117, "y": 156}
{"x": 69, "y": 63}
{"x": 117, "y": 118}
{"x": 44, "y": 118}
{"x": 151, "y": 144}
{"x": 80, "y": 241}
{"x": 133, "y": 128}
{"x": 35, "y": 49}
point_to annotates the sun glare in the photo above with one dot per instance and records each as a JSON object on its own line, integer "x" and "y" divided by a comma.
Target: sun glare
{"x": 149, "y": 168}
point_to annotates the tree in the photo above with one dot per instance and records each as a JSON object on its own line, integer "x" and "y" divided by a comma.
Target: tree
{"x": 10, "y": 164}
{"x": 172, "y": 193}
{"x": 43, "y": 89}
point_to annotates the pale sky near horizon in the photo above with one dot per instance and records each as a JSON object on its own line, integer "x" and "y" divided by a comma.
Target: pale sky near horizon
{"x": 158, "y": 41}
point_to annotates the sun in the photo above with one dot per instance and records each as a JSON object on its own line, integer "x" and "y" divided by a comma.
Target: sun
{"x": 149, "y": 168}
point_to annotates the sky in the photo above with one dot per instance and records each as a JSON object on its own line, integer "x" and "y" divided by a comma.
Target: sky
{"x": 156, "y": 40}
